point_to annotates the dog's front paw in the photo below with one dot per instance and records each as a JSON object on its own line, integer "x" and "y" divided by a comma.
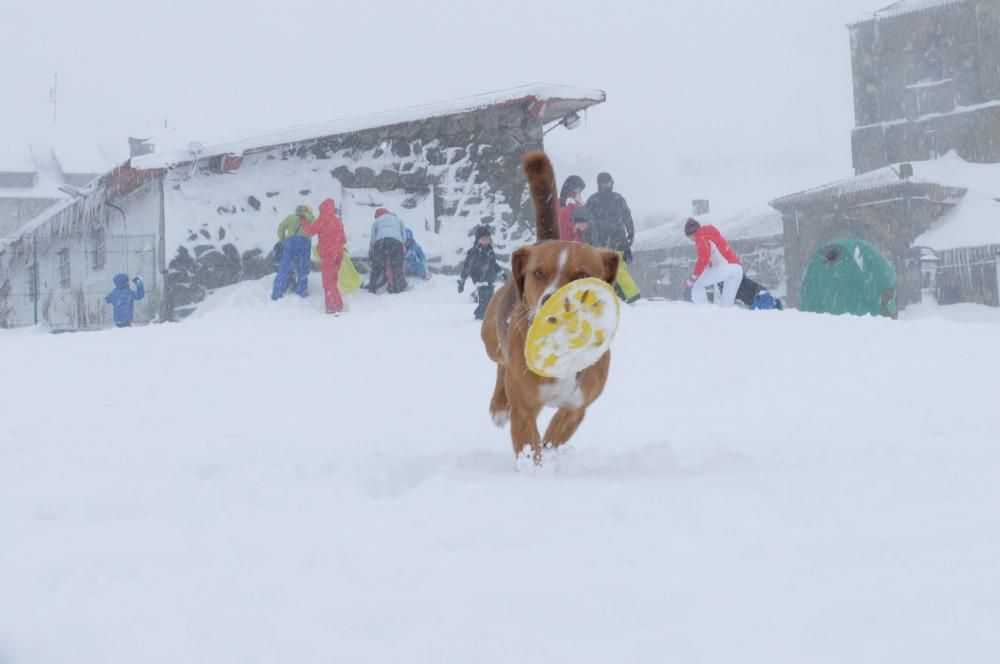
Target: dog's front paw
{"x": 500, "y": 418}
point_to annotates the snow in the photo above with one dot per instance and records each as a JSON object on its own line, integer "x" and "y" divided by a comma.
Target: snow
{"x": 193, "y": 201}
{"x": 958, "y": 110}
{"x": 238, "y": 146}
{"x": 904, "y": 7}
{"x": 974, "y": 222}
{"x": 264, "y": 483}
{"x": 877, "y": 179}
{"x": 17, "y": 159}
{"x": 748, "y": 224}
{"x": 75, "y": 150}
{"x": 964, "y": 312}
{"x": 859, "y": 259}
{"x": 953, "y": 171}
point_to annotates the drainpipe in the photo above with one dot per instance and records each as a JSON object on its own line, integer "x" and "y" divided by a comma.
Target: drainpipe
{"x": 34, "y": 272}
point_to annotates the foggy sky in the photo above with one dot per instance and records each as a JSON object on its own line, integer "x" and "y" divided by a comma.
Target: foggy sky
{"x": 735, "y": 101}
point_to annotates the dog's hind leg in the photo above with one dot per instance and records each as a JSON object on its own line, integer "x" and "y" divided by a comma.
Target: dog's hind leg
{"x": 563, "y": 425}
{"x": 524, "y": 431}
{"x": 499, "y": 404}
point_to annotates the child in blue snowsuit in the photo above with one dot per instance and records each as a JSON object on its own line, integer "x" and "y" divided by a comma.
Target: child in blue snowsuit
{"x": 415, "y": 257}
{"x": 123, "y": 300}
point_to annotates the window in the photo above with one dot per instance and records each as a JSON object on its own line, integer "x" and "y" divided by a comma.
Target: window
{"x": 64, "y": 276}
{"x": 100, "y": 248}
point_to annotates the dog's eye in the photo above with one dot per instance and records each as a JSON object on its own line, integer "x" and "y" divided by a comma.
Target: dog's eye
{"x": 539, "y": 274}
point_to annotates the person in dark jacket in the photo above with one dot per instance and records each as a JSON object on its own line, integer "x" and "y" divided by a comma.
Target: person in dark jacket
{"x": 611, "y": 226}
{"x": 123, "y": 299}
{"x": 481, "y": 266}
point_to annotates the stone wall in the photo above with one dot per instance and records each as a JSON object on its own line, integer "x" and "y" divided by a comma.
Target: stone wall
{"x": 941, "y": 60}
{"x": 973, "y": 135}
{"x": 221, "y": 215}
{"x": 662, "y": 272}
{"x": 891, "y": 219}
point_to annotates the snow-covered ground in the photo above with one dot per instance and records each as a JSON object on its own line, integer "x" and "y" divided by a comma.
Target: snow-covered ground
{"x": 264, "y": 483}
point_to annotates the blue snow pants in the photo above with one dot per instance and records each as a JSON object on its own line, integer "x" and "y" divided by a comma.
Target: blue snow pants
{"x": 295, "y": 256}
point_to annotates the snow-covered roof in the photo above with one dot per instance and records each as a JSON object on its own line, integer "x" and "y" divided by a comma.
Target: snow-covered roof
{"x": 74, "y": 149}
{"x": 879, "y": 179}
{"x": 953, "y": 171}
{"x": 974, "y": 222}
{"x": 750, "y": 224}
{"x": 17, "y": 159}
{"x": 949, "y": 171}
{"x": 559, "y": 100}
{"x": 905, "y": 7}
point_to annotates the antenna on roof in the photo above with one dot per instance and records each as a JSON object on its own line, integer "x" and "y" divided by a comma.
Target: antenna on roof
{"x": 54, "y": 97}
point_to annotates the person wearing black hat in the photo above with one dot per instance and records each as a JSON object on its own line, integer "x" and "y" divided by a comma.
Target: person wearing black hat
{"x": 482, "y": 267}
{"x": 611, "y": 226}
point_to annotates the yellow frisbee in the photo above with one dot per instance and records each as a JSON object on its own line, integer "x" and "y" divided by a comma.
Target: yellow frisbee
{"x": 573, "y": 329}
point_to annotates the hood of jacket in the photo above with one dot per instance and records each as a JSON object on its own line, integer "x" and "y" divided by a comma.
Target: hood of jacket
{"x": 120, "y": 279}
{"x": 328, "y": 207}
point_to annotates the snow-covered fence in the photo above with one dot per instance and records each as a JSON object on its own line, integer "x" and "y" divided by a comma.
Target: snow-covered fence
{"x": 970, "y": 274}
{"x": 63, "y": 283}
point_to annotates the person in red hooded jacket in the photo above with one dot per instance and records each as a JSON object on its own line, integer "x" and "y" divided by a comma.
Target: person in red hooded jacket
{"x": 332, "y": 239}
{"x": 717, "y": 263}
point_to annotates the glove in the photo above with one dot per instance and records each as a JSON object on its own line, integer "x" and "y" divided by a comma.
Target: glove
{"x": 689, "y": 284}
{"x": 627, "y": 254}
{"x": 461, "y": 285}
{"x": 136, "y": 280}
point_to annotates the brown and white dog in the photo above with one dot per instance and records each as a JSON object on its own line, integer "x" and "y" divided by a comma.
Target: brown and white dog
{"x": 537, "y": 272}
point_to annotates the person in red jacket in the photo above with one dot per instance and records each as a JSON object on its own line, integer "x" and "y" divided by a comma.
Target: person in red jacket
{"x": 717, "y": 263}
{"x": 570, "y": 199}
{"x": 332, "y": 239}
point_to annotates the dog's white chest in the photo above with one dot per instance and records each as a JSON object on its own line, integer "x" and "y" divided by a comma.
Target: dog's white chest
{"x": 564, "y": 392}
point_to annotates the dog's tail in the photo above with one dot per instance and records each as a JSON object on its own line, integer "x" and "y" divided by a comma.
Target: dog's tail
{"x": 542, "y": 182}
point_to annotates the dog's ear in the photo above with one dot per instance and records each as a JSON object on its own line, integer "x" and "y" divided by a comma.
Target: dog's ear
{"x": 611, "y": 259}
{"x": 518, "y": 264}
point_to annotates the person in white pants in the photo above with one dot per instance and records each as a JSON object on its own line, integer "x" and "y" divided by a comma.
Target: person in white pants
{"x": 717, "y": 263}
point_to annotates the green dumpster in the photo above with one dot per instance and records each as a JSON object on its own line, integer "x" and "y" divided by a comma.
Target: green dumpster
{"x": 849, "y": 277}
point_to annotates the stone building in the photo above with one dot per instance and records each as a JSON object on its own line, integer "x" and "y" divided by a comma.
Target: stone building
{"x": 207, "y": 214}
{"x": 926, "y": 82}
{"x": 664, "y": 256}
{"x": 927, "y": 113}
